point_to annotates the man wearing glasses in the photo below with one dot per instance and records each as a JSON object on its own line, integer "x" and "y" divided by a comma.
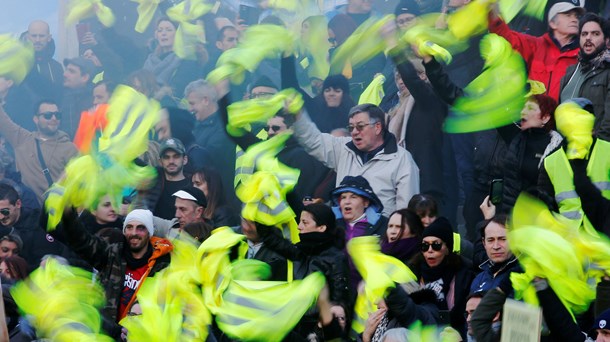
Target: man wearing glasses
{"x": 40, "y": 156}
{"x": 371, "y": 152}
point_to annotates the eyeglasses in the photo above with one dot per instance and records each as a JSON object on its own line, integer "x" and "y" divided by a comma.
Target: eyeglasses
{"x": 436, "y": 246}
{"x": 359, "y": 127}
{"x": 5, "y": 211}
{"x": 274, "y": 128}
{"x": 261, "y": 95}
{"x": 49, "y": 115}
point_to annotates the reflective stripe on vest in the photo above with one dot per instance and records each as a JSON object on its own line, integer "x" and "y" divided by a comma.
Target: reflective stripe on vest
{"x": 561, "y": 175}
{"x": 598, "y": 166}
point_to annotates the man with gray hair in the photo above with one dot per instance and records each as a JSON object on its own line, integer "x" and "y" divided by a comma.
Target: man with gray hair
{"x": 549, "y": 55}
{"x": 209, "y": 131}
{"x": 371, "y": 151}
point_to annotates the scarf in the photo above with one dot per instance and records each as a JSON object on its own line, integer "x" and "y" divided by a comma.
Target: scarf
{"x": 163, "y": 66}
{"x": 595, "y": 60}
{"x": 381, "y": 328}
{"x": 399, "y": 117}
{"x": 314, "y": 243}
{"x": 134, "y": 263}
{"x": 433, "y": 276}
{"x": 402, "y": 250}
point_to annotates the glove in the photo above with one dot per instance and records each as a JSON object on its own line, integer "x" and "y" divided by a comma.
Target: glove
{"x": 576, "y": 125}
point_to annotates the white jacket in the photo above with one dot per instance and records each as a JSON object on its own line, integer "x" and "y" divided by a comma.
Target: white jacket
{"x": 392, "y": 173}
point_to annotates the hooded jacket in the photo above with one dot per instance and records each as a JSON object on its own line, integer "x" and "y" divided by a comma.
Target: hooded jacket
{"x": 46, "y": 78}
{"x": 56, "y": 151}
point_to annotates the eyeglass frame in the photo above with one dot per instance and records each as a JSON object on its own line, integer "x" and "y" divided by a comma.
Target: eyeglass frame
{"x": 360, "y": 126}
{"x": 50, "y": 115}
{"x": 424, "y": 246}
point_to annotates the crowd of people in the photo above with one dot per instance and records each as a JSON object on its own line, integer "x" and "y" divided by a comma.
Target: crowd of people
{"x": 384, "y": 169}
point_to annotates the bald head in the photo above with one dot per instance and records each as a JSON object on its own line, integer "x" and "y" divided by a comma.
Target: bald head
{"x": 39, "y": 34}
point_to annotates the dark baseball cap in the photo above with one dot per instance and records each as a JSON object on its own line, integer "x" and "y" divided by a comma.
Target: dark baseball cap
{"x": 172, "y": 144}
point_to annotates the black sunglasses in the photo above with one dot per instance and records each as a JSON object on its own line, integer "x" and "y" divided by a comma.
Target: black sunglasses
{"x": 436, "y": 246}
{"x": 274, "y": 128}
{"x": 5, "y": 211}
{"x": 49, "y": 115}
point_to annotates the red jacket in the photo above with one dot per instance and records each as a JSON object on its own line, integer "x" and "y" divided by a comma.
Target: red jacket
{"x": 545, "y": 60}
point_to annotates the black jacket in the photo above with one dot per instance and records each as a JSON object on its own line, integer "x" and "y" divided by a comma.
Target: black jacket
{"x": 594, "y": 204}
{"x": 330, "y": 261}
{"x": 488, "y": 146}
{"x": 36, "y": 241}
{"x": 424, "y": 135}
{"x": 46, "y": 78}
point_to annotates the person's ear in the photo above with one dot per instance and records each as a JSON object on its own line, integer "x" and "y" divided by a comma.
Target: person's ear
{"x": 321, "y": 228}
{"x": 186, "y": 159}
{"x": 18, "y": 203}
{"x": 35, "y": 119}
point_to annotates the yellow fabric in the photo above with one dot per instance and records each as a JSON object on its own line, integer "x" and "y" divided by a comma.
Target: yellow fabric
{"x": 599, "y": 165}
{"x": 62, "y": 303}
{"x": 379, "y": 272}
{"x": 374, "y": 91}
{"x": 536, "y": 88}
{"x": 89, "y": 177}
{"x": 243, "y": 113}
{"x": 470, "y": 20}
{"x": 189, "y": 34}
{"x": 496, "y": 97}
{"x": 576, "y": 125}
{"x": 215, "y": 266}
{"x": 16, "y": 59}
{"x": 315, "y": 47}
{"x": 82, "y": 9}
{"x": 258, "y": 42}
{"x": 146, "y": 11}
{"x": 551, "y": 247}
{"x": 510, "y": 8}
{"x": 171, "y": 301}
{"x": 360, "y": 46}
{"x": 252, "y": 311}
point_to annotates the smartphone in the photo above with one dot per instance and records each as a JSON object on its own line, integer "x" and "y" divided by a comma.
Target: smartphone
{"x": 249, "y": 14}
{"x": 495, "y": 191}
{"x": 81, "y": 30}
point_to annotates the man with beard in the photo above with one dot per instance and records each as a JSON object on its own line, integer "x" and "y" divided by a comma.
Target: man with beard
{"x": 590, "y": 78}
{"x": 170, "y": 179}
{"x": 124, "y": 266}
{"x": 40, "y": 156}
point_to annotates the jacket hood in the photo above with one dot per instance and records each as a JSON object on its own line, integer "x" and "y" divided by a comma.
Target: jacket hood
{"x": 46, "y": 53}
{"x": 361, "y": 187}
{"x": 161, "y": 247}
{"x": 554, "y": 144}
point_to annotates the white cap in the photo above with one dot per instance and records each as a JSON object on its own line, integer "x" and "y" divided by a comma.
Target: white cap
{"x": 566, "y": 6}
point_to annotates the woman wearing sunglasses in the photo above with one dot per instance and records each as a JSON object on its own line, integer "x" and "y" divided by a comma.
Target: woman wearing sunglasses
{"x": 446, "y": 273}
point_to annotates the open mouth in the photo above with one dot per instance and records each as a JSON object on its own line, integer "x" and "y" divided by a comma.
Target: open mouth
{"x": 347, "y": 210}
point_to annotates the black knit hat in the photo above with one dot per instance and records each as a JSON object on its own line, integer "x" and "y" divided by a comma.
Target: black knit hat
{"x": 441, "y": 228}
{"x": 337, "y": 82}
{"x": 407, "y": 6}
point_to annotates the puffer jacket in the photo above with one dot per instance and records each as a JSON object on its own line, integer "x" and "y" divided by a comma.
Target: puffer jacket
{"x": 392, "y": 172}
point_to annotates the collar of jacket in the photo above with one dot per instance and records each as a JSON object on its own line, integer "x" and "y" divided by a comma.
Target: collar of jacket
{"x": 486, "y": 266}
{"x": 389, "y": 145}
{"x": 573, "y": 45}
